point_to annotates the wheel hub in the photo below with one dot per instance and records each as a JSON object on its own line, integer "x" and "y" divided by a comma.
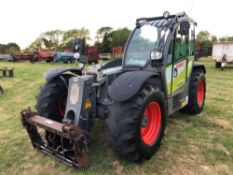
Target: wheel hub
{"x": 151, "y": 123}
{"x": 144, "y": 121}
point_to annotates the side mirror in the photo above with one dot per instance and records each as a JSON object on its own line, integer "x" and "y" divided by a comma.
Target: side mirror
{"x": 184, "y": 28}
{"x": 156, "y": 55}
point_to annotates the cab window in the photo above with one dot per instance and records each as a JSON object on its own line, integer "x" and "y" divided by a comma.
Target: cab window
{"x": 182, "y": 46}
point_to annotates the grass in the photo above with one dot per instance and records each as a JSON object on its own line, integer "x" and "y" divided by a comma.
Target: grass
{"x": 200, "y": 144}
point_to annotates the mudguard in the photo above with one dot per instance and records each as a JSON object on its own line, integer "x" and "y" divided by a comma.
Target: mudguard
{"x": 199, "y": 66}
{"x": 58, "y": 71}
{"x": 128, "y": 84}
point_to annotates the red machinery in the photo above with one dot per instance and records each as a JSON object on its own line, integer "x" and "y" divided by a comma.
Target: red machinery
{"x": 68, "y": 50}
{"x": 24, "y": 57}
{"x": 92, "y": 54}
{"x": 44, "y": 55}
{"x": 117, "y": 52}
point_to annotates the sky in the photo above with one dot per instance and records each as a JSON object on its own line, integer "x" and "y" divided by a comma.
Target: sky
{"x": 22, "y": 21}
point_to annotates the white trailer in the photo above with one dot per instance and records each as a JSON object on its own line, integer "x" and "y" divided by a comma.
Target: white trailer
{"x": 221, "y": 50}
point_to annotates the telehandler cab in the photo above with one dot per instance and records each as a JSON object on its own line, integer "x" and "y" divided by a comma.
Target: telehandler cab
{"x": 156, "y": 77}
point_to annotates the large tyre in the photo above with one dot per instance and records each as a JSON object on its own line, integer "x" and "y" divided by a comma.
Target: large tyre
{"x": 136, "y": 127}
{"x": 51, "y": 103}
{"x": 197, "y": 91}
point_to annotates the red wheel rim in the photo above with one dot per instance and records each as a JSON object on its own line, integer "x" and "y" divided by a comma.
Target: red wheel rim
{"x": 62, "y": 104}
{"x": 200, "y": 93}
{"x": 151, "y": 123}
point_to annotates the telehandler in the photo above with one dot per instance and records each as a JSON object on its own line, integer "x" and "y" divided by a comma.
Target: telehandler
{"x": 156, "y": 77}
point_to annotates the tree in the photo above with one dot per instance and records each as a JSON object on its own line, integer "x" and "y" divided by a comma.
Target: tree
{"x": 226, "y": 38}
{"x": 84, "y": 33}
{"x": 105, "y": 46}
{"x": 70, "y": 35}
{"x": 52, "y": 39}
{"x": 222, "y": 39}
{"x": 102, "y": 32}
{"x": 214, "y": 38}
{"x": 58, "y": 39}
{"x": 204, "y": 38}
{"x": 12, "y": 48}
{"x": 230, "y": 38}
{"x": 103, "y": 39}
{"x": 3, "y": 48}
{"x": 106, "y": 38}
{"x": 35, "y": 45}
{"x": 120, "y": 37}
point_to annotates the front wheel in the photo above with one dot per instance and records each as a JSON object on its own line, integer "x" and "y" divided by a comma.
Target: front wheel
{"x": 136, "y": 127}
{"x": 51, "y": 103}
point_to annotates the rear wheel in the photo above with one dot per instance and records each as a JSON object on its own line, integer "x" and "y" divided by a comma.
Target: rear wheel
{"x": 197, "y": 92}
{"x": 136, "y": 127}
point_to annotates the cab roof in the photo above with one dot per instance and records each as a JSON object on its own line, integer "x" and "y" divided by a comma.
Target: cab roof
{"x": 161, "y": 21}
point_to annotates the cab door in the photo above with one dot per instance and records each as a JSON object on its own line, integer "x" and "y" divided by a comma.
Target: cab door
{"x": 179, "y": 66}
{"x": 180, "y": 59}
